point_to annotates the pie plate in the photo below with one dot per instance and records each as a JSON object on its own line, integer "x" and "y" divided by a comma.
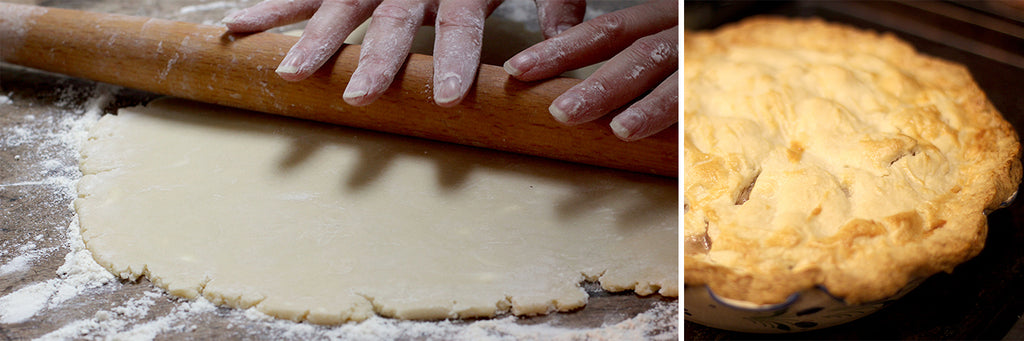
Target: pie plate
{"x": 810, "y": 309}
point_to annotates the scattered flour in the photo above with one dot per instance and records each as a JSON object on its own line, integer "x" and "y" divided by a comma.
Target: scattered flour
{"x": 139, "y": 319}
{"x": 26, "y": 254}
{"x": 79, "y": 272}
{"x": 15, "y": 135}
{"x": 123, "y": 322}
{"x": 650, "y": 325}
{"x": 216, "y": 5}
{"x": 118, "y": 323}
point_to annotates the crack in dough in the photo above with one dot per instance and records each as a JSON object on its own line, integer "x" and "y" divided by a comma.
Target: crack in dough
{"x": 327, "y": 224}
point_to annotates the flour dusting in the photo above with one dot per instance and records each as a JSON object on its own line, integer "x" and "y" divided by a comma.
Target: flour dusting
{"x": 216, "y": 5}
{"x": 53, "y": 140}
{"x": 137, "y": 316}
{"x": 75, "y": 296}
{"x": 26, "y": 254}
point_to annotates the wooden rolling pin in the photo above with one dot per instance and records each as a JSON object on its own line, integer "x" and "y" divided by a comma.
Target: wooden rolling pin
{"x": 205, "y": 63}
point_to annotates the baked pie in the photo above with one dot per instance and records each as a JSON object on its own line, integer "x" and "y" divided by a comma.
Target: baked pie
{"x": 818, "y": 154}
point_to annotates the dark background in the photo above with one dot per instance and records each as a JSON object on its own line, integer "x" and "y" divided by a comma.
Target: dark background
{"x": 984, "y": 297}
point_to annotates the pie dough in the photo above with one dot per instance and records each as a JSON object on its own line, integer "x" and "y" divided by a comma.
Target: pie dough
{"x": 327, "y": 224}
{"x": 820, "y": 154}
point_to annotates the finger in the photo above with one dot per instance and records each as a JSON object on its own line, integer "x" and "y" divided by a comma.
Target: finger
{"x": 324, "y": 34}
{"x": 592, "y": 41}
{"x": 270, "y": 14}
{"x": 385, "y": 47}
{"x": 650, "y": 115}
{"x": 625, "y": 77}
{"x": 557, "y": 16}
{"x": 459, "y": 31}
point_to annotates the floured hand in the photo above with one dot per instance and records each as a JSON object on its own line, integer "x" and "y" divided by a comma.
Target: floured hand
{"x": 457, "y": 43}
{"x": 643, "y": 44}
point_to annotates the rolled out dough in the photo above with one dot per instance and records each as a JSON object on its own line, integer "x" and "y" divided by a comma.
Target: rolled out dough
{"x": 326, "y": 224}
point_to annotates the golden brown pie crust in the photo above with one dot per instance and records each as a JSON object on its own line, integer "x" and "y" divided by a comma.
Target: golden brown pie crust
{"x": 821, "y": 154}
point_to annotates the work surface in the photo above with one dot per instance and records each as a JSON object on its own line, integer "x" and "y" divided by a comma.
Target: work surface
{"x": 48, "y": 286}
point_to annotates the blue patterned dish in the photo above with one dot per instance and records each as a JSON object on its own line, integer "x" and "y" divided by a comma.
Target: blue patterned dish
{"x": 810, "y": 309}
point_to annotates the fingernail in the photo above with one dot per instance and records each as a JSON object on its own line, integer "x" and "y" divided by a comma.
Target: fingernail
{"x": 563, "y": 107}
{"x": 290, "y": 65}
{"x": 233, "y": 17}
{"x": 358, "y": 86}
{"x": 448, "y": 89}
{"x": 520, "y": 63}
{"x": 626, "y": 124}
{"x": 509, "y": 69}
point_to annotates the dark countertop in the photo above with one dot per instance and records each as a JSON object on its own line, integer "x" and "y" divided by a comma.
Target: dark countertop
{"x": 984, "y": 297}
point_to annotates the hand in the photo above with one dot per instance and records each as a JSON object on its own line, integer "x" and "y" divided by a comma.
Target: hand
{"x": 646, "y": 35}
{"x": 459, "y": 32}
